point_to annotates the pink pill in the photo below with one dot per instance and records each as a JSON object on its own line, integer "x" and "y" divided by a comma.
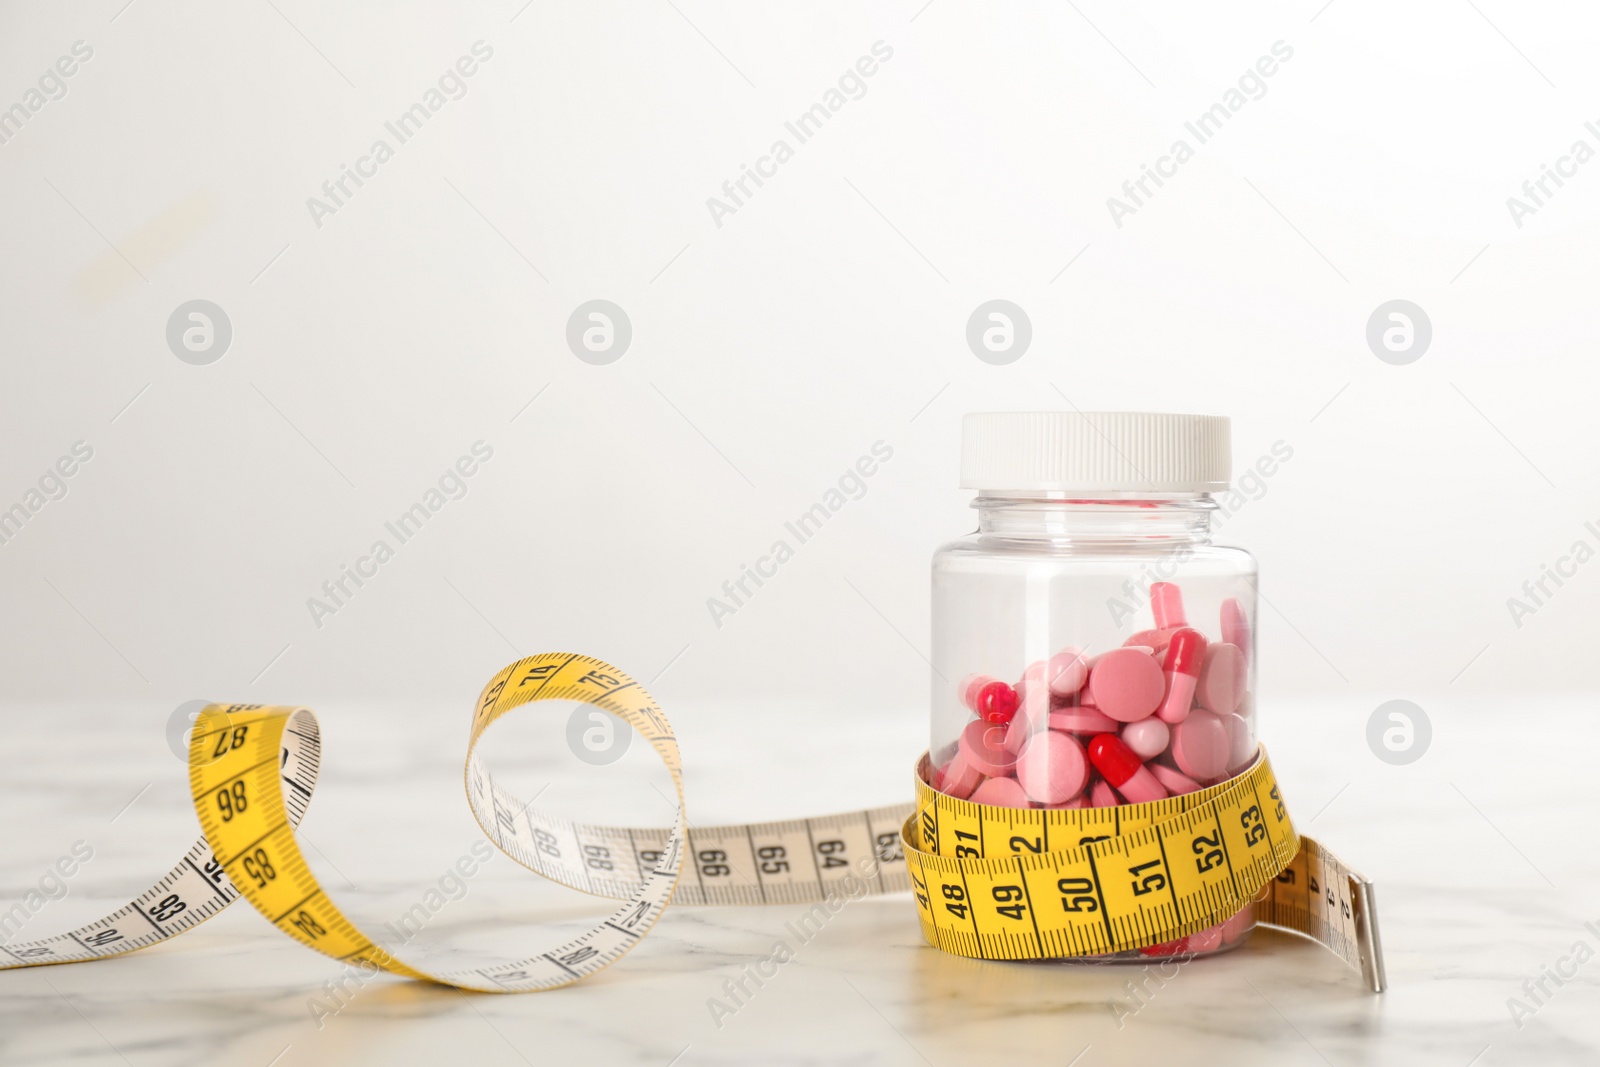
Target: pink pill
{"x": 1075, "y": 802}
{"x": 968, "y": 689}
{"x": 1155, "y": 640}
{"x": 959, "y": 778}
{"x": 1207, "y": 940}
{"x": 1034, "y": 701}
{"x": 1000, "y": 793}
{"x": 1101, "y": 795}
{"x": 1065, "y": 671}
{"x": 1029, "y": 678}
{"x": 1166, "y": 604}
{"x": 1241, "y": 746}
{"x": 1032, "y": 678}
{"x": 1236, "y": 626}
{"x": 1182, "y": 672}
{"x": 1126, "y": 684}
{"x": 1052, "y": 769}
{"x": 1082, "y": 721}
{"x": 984, "y": 746}
{"x": 1222, "y": 678}
{"x": 1147, "y": 738}
{"x": 1237, "y": 928}
{"x": 1200, "y": 746}
{"x": 1018, "y": 731}
{"x": 1173, "y": 782}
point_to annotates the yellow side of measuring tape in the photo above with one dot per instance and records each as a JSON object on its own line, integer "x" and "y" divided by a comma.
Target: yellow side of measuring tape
{"x": 1012, "y": 884}
{"x": 1090, "y": 881}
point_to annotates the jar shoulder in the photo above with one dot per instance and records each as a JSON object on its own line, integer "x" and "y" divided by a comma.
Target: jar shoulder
{"x": 977, "y": 548}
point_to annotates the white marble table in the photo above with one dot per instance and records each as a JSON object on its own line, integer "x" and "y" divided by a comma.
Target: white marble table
{"x": 1477, "y": 889}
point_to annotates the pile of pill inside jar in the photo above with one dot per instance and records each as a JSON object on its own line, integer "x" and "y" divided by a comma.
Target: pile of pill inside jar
{"x": 1164, "y": 714}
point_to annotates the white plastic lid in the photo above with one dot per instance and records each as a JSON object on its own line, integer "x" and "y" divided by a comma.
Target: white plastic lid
{"x": 1106, "y": 451}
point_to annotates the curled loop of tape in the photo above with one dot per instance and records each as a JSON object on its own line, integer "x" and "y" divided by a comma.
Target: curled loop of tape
{"x": 253, "y": 768}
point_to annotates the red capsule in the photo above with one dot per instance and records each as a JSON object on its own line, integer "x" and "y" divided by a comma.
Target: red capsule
{"x": 996, "y": 703}
{"x": 1185, "y": 651}
{"x": 1121, "y": 766}
{"x": 1113, "y": 758}
{"x": 1184, "y": 657}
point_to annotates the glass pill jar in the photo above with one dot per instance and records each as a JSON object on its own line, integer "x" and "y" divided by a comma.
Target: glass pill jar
{"x": 1091, "y": 646}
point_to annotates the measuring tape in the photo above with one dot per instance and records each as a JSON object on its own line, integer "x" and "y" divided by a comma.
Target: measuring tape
{"x": 1026, "y": 883}
{"x": 252, "y": 770}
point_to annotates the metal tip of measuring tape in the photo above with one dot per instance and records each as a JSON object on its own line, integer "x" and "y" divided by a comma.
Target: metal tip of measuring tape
{"x": 1364, "y": 903}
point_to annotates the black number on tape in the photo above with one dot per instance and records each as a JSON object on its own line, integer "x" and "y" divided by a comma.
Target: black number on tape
{"x": 1254, "y": 832}
{"x": 259, "y": 866}
{"x": 832, "y": 853}
{"x": 889, "y": 850}
{"x": 1147, "y": 883}
{"x": 232, "y": 801}
{"x": 1011, "y": 897}
{"x": 307, "y": 924}
{"x": 955, "y": 895}
{"x": 228, "y": 740}
{"x": 1077, "y": 894}
{"x": 168, "y": 907}
{"x": 1209, "y": 851}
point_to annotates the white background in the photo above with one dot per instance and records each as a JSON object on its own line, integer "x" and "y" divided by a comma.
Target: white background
{"x": 788, "y": 340}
